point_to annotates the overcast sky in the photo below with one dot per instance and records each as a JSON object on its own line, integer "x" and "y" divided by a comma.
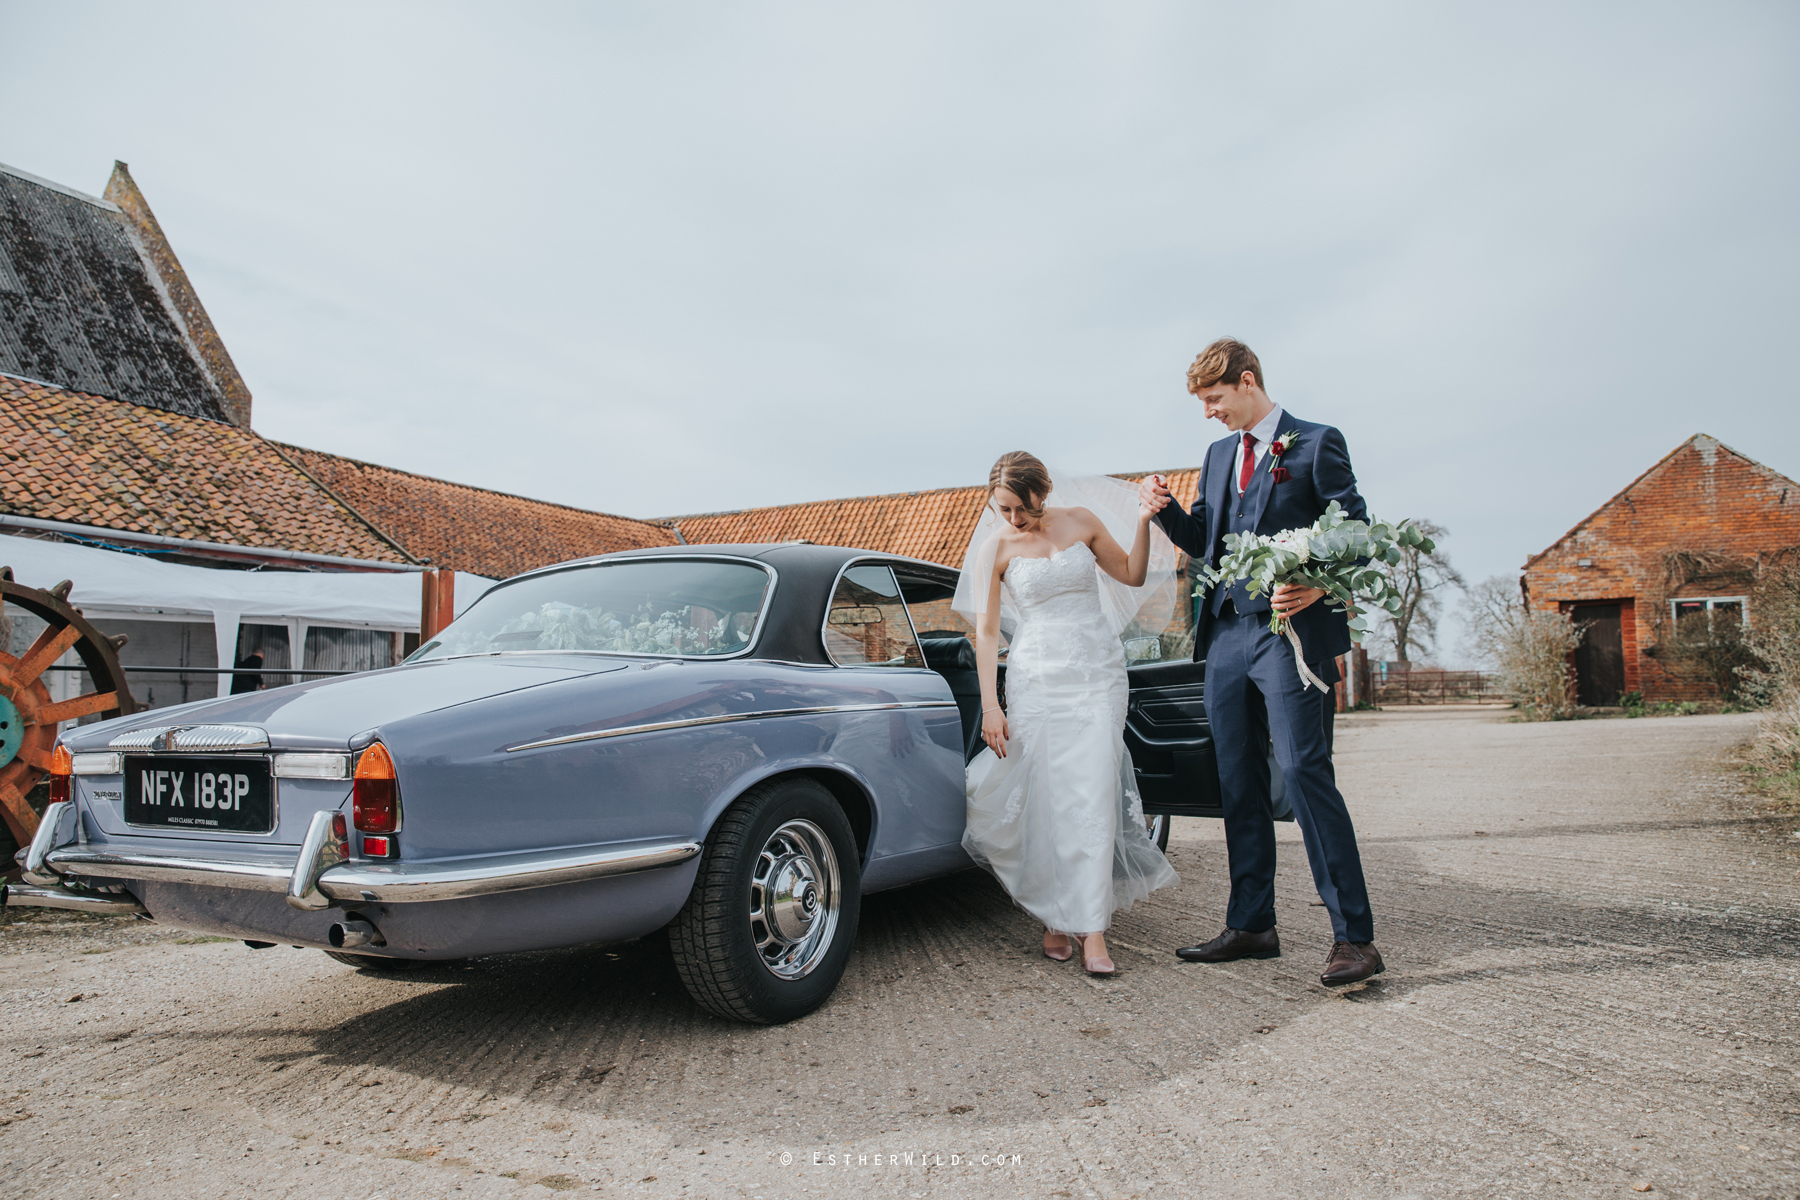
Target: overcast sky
{"x": 667, "y": 258}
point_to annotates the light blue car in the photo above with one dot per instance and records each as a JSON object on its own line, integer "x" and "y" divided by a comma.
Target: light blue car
{"x": 733, "y": 742}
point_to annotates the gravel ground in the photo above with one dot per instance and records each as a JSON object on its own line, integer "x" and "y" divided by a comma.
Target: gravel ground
{"x": 1593, "y": 982}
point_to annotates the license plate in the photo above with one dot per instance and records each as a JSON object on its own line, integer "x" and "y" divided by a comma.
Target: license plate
{"x": 217, "y": 793}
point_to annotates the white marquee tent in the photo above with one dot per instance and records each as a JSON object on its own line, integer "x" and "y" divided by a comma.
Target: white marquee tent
{"x": 138, "y": 587}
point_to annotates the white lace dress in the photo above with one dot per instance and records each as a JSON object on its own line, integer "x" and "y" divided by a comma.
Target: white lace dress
{"x": 1058, "y": 820}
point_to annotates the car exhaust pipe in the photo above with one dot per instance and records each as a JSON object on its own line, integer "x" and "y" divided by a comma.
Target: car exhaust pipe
{"x": 354, "y": 932}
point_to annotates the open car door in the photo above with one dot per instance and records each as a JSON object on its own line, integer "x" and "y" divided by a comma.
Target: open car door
{"x": 1171, "y": 744}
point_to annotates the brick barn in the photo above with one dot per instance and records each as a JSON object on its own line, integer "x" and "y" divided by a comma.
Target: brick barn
{"x": 1685, "y": 540}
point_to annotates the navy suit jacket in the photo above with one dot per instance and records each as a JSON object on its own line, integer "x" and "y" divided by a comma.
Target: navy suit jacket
{"x": 1319, "y": 472}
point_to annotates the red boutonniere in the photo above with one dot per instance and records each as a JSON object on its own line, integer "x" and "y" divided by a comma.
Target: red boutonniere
{"x": 1277, "y": 448}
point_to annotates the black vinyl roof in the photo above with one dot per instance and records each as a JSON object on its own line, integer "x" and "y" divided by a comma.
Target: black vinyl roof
{"x": 80, "y": 309}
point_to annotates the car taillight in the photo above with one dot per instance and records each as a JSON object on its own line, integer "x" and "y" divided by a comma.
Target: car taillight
{"x": 375, "y": 797}
{"x": 62, "y": 768}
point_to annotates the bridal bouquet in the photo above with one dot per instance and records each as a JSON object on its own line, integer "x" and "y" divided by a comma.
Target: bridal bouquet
{"x": 1335, "y": 554}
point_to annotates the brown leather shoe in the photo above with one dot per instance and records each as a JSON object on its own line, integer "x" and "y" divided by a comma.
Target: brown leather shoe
{"x": 1351, "y": 962}
{"x": 1233, "y": 944}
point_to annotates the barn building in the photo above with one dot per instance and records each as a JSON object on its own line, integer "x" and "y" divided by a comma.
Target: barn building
{"x": 1684, "y": 541}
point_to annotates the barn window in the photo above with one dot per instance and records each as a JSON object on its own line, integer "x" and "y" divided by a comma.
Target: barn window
{"x": 1713, "y": 606}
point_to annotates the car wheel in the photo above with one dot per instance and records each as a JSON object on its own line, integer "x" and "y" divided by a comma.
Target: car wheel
{"x": 767, "y": 930}
{"x": 1158, "y": 829}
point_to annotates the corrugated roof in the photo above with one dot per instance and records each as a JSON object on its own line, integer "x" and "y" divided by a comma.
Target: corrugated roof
{"x": 473, "y": 529}
{"x": 89, "y": 460}
{"x": 933, "y": 525}
{"x": 83, "y": 309}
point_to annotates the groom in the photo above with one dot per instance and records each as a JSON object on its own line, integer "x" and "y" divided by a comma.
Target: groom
{"x": 1259, "y": 481}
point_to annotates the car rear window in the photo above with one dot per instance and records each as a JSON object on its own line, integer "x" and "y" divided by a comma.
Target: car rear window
{"x": 679, "y": 608}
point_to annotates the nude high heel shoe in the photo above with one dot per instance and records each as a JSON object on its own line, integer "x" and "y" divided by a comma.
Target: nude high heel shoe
{"x": 1098, "y": 964}
{"x": 1067, "y": 948}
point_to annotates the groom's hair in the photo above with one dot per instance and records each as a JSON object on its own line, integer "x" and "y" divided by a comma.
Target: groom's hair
{"x": 1226, "y": 359}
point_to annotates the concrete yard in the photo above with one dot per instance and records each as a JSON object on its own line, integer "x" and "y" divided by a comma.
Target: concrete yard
{"x": 1593, "y": 986}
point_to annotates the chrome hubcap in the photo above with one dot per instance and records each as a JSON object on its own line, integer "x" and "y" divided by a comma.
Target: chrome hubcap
{"x": 794, "y": 896}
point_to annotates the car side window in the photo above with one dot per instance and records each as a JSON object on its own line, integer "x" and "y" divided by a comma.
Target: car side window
{"x": 867, "y": 623}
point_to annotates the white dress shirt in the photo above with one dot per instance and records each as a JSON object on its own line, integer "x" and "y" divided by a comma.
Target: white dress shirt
{"x": 1263, "y": 432}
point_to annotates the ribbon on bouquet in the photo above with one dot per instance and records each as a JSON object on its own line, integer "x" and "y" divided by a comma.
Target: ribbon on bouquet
{"x": 1306, "y": 676}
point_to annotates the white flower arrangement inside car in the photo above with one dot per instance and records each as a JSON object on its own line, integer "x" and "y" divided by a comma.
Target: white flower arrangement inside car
{"x": 557, "y": 625}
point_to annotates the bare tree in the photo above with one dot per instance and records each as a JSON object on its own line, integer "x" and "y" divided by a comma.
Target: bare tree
{"x": 1530, "y": 650}
{"x": 1491, "y": 611}
{"x": 1418, "y": 577}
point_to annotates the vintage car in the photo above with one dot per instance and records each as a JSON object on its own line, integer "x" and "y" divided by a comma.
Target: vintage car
{"x": 735, "y": 743}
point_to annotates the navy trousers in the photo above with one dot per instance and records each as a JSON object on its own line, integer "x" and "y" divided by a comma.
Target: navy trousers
{"x": 1253, "y": 694}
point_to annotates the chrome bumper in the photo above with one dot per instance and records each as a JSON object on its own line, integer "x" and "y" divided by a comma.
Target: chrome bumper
{"x": 23, "y": 895}
{"x": 318, "y": 876}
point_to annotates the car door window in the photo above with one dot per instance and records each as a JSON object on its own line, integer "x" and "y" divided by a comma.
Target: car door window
{"x": 867, "y": 623}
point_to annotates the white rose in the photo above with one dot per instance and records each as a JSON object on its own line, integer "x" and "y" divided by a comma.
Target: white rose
{"x": 1296, "y": 541}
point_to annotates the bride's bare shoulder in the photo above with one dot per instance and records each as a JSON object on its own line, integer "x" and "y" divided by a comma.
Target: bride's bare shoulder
{"x": 1082, "y": 518}
{"x": 1006, "y": 546}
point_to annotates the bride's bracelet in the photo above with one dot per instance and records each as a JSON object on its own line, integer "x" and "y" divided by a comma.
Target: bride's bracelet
{"x": 986, "y": 711}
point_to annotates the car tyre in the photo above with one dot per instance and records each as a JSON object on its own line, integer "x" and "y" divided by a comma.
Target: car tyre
{"x": 766, "y": 933}
{"x": 1158, "y": 829}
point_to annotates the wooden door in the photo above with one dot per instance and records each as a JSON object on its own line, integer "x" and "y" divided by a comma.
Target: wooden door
{"x": 1600, "y": 658}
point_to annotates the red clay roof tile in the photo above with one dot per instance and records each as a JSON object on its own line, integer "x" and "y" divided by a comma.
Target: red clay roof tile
{"x": 933, "y": 525}
{"x": 470, "y": 528}
{"x": 68, "y": 456}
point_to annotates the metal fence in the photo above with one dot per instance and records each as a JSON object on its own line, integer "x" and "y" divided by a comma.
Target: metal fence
{"x": 1435, "y": 687}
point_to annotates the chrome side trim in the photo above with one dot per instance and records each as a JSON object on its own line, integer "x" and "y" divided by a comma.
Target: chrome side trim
{"x": 322, "y": 850}
{"x": 56, "y": 829}
{"x": 193, "y": 737}
{"x": 261, "y": 875}
{"x": 725, "y": 718}
{"x": 19, "y": 895}
{"x": 393, "y": 883}
{"x": 401, "y": 883}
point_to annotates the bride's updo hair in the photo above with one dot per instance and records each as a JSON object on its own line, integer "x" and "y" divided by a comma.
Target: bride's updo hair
{"x": 1025, "y": 477}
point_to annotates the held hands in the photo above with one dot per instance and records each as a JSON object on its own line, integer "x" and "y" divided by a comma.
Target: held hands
{"x": 1290, "y": 598}
{"x": 1153, "y": 495}
{"x": 994, "y": 731}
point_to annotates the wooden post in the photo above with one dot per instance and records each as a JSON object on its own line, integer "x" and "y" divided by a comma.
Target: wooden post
{"x": 437, "y": 602}
{"x": 427, "y": 605}
{"x": 446, "y": 609}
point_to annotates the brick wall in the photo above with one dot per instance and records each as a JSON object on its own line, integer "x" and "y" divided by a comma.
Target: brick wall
{"x": 1695, "y": 525}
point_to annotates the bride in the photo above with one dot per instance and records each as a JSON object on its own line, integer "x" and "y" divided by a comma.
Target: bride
{"x": 1053, "y": 806}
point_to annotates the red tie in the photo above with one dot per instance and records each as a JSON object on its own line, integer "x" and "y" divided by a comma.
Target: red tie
{"x": 1249, "y": 463}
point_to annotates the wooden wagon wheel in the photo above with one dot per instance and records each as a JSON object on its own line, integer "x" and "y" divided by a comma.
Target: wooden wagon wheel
{"x": 28, "y": 717}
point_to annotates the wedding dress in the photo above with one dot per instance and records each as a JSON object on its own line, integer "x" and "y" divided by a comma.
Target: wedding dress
{"x": 1059, "y": 820}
